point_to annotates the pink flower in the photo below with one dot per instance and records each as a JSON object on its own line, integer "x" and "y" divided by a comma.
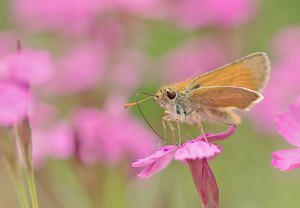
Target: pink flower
{"x": 27, "y": 66}
{"x": 280, "y": 92}
{"x": 192, "y": 59}
{"x": 109, "y": 134}
{"x": 17, "y": 71}
{"x": 51, "y": 137}
{"x": 68, "y": 15}
{"x": 13, "y": 103}
{"x": 195, "y": 153}
{"x": 145, "y": 8}
{"x": 222, "y": 13}
{"x": 80, "y": 70}
{"x": 288, "y": 125}
{"x": 8, "y": 43}
{"x": 110, "y": 34}
{"x": 126, "y": 72}
{"x": 55, "y": 142}
{"x": 191, "y": 150}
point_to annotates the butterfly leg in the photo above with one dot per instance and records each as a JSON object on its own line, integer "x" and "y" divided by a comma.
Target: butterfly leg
{"x": 165, "y": 129}
{"x": 164, "y": 119}
{"x": 168, "y": 119}
{"x": 196, "y": 115}
{"x": 179, "y": 131}
{"x": 172, "y": 131}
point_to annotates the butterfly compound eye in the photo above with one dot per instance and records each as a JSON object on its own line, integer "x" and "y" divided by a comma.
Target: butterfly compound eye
{"x": 171, "y": 94}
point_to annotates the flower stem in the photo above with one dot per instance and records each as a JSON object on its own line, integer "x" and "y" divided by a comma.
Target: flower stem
{"x": 25, "y": 145}
{"x": 18, "y": 184}
{"x": 32, "y": 188}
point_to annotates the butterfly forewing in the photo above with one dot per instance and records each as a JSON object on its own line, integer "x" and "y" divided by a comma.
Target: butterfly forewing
{"x": 250, "y": 72}
{"x": 224, "y": 97}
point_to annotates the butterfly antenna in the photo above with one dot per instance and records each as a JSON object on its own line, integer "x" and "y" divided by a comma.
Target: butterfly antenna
{"x": 144, "y": 117}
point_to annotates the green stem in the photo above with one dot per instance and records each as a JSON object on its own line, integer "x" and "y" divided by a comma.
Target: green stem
{"x": 27, "y": 158}
{"x": 32, "y": 188}
{"x": 18, "y": 184}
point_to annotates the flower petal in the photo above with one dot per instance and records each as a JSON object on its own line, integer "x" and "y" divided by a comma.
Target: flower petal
{"x": 156, "y": 162}
{"x": 286, "y": 159}
{"x": 205, "y": 182}
{"x": 288, "y": 124}
{"x": 220, "y": 136}
{"x": 196, "y": 149}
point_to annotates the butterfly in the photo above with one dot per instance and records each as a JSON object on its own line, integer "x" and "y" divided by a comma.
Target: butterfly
{"x": 213, "y": 96}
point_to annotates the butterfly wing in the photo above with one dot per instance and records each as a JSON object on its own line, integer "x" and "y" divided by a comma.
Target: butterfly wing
{"x": 251, "y": 72}
{"x": 224, "y": 97}
{"x": 216, "y": 115}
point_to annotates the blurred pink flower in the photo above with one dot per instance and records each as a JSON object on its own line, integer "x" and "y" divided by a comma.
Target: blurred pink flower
{"x": 8, "y": 43}
{"x": 193, "y": 59}
{"x": 126, "y": 72}
{"x": 27, "y": 66}
{"x": 283, "y": 86}
{"x": 223, "y": 13}
{"x": 17, "y": 71}
{"x": 13, "y": 103}
{"x": 194, "y": 153}
{"x": 146, "y": 8}
{"x": 74, "y": 16}
{"x": 285, "y": 41}
{"x": 110, "y": 134}
{"x": 40, "y": 113}
{"x": 110, "y": 34}
{"x": 288, "y": 125}
{"x": 51, "y": 138}
{"x": 53, "y": 142}
{"x": 79, "y": 70}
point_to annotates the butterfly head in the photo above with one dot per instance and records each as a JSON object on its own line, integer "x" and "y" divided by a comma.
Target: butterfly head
{"x": 165, "y": 96}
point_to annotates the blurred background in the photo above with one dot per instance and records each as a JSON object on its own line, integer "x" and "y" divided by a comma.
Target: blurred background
{"x": 101, "y": 52}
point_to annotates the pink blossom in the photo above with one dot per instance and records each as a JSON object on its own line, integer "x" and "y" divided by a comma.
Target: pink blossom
{"x": 222, "y": 13}
{"x": 191, "y": 150}
{"x": 288, "y": 125}
{"x": 280, "y": 92}
{"x": 192, "y": 59}
{"x": 81, "y": 69}
{"x": 51, "y": 137}
{"x": 285, "y": 41}
{"x": 40, "y": 113}
{"x": 27, "y": 66}
{"x": 52, "y": 142}
{"x": 145, "y": 8}
{"x": 110, "y": 34}
{"x": 13, "y": 103}
{"x": 126, "y": 73}
{"x": 196, "y": 150}
{"x": 17, "y": 71}
{"x": 195, "y": 153}
{"x": 109, "y": 134}
{"x": 8, "y": 43}
{"x": 68, "y": 15}
{"x": 156, "y": 162}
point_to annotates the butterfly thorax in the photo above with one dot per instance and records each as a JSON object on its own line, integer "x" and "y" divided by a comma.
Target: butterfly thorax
{"x": 175, "y": 103}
